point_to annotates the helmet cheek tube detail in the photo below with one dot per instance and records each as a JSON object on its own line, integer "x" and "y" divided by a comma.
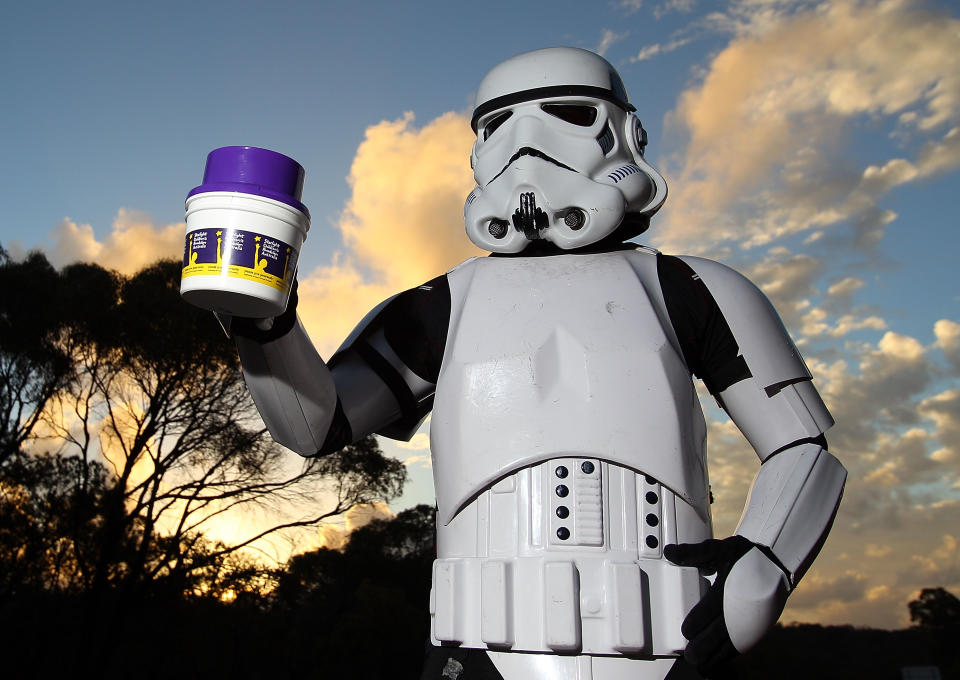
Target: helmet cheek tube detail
{"x": 545, "y": 201}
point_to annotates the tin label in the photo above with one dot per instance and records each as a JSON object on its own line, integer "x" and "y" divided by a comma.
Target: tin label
{"x": 241, "y": 255}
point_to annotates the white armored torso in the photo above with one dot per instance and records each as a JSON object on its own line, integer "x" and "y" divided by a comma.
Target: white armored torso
{"x": 568, "y": 449}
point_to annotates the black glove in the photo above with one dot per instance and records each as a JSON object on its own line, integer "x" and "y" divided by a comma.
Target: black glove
{"x": 710, "y": 649}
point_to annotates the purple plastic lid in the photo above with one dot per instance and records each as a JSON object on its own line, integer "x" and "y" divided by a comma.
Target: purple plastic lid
{"x": 250, "y": 170}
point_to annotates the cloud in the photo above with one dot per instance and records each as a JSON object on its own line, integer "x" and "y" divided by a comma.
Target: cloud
{"x": 608, "y": 39}
{"x": 329, "y": 536}
{"x": 733, "y": 465}
{"x": 881, "y": 605}
{"x": 898, "y": 443}
{"x": 335, "y": 537}
{"x": 651, "y": 51}
{"x": 416, "y": 452}
{"x": 839, "y": 295}
{"x": 881, "y": 392}
{"x": 407, "y": 184}
{"x": 361, "y": 515}
{"x": 944, "y": 410}
{"x": 816, "y": 590}
{"x": 419, "y": 442}
{"x": 849, "y": 323}
{"x": 788, "y": 280}
{"x": 877, "y": 551}
{"x": 333, "y": 298}
{"x": 660, "y": 9}
{"x": 422, "y": 460}
{"x": 845, "y": 287}
{"x": 939, "y": 566}
{"x": 401, "y": 225}
{"x": 682, "y": 6}
{"x": 868, "y": 577}
{"x": 764, "y": 133}
{"x": 133, "y": 243}
{"x": 817, "y": 323}
{"x": 948, "y": 335}
{"x": 948, "y": 339}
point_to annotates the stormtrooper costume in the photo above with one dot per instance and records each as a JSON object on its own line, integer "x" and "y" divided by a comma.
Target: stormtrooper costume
{"x": 574, "y": 531}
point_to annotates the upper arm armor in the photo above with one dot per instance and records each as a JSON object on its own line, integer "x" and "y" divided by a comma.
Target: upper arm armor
{"x": 377, "y": 391}
{"x": 764, "y": 343}
{"x": 386, "y": 370}
{"x": 776, "y": 403}
{"x": 381, "y": 380}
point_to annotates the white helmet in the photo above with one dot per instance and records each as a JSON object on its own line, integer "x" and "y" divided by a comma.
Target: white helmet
{"x": 558, "y": 156}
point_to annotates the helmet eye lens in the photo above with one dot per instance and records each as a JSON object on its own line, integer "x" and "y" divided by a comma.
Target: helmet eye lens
{"x": 494, "y": 123}
{"x": 578, "y": 114}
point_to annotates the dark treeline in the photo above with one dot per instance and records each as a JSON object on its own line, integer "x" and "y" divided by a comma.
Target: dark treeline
{"x": 126, "y": 434}
{"x": 360, "y": 612}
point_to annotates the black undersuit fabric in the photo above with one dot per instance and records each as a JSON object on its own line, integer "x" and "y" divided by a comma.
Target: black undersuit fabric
{"x": 708, "y": 346}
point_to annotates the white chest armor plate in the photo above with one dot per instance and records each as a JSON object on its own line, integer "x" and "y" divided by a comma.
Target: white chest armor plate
{"x": 554, "y": 356}
{"x": 567, "y": 444}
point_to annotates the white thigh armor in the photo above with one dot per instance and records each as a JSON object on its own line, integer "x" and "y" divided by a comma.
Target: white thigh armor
{"x": 568, "y": 448}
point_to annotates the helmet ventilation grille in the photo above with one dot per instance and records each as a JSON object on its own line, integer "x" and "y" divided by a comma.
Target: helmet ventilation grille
{"x": 623, "y": 171}
{"x": 606, "y": 139}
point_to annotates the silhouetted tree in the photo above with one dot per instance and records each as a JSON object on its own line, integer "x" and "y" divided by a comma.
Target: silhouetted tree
{"x": 935, "y": 608}
{"x": 402, "y": 548}
{"x": 409, "y": 535}
{"x": 46, "y": 524}
{"x": 145, "y": 395}
{"x": 34, "y": 364}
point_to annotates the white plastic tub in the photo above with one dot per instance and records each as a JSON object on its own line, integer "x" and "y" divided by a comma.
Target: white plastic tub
{"x": 240, "y": 254}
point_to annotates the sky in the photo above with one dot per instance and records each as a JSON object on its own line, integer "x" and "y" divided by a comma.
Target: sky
{"x": 814, "y": 146}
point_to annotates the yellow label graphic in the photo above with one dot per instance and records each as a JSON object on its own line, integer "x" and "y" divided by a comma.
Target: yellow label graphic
{"x": 241, "y": 255}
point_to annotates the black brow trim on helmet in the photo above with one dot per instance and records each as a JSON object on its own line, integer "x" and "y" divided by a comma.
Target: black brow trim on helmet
{"x": 545, "y": 92}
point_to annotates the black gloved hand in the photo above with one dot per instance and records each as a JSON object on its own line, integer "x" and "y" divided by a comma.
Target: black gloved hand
{"x": 710, "y": 649}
